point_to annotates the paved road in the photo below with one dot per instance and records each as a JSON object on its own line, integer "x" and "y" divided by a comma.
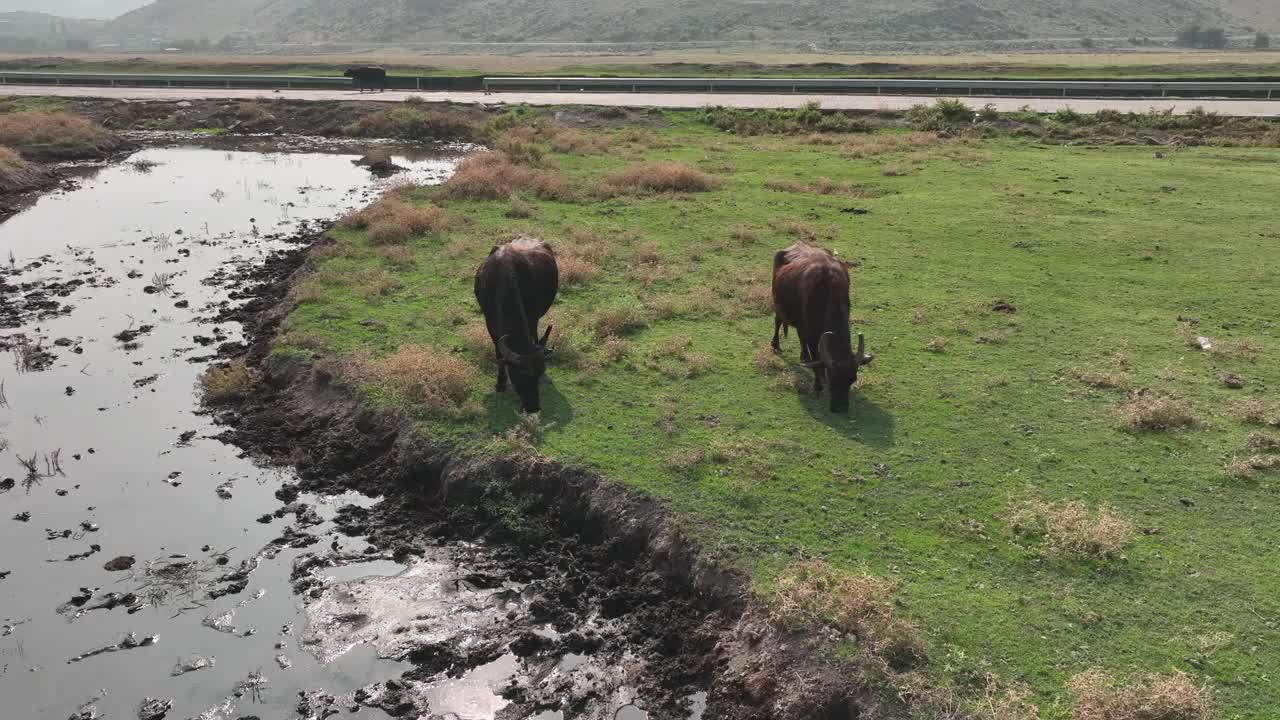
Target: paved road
{"x": 1250, "y": 108}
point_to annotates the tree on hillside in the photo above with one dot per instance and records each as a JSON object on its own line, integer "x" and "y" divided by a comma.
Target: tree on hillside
{"x": 1261, "y": 41}
{"x": 1197, "y": 36}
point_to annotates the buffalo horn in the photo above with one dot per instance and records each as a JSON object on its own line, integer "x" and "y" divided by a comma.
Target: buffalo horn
{"x": 507, "y": 354}
{"x": 545, "y": 336}
{"x": 824, "y": 349}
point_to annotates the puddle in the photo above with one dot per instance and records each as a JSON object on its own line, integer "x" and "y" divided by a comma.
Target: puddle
{"x": 125, "y": 468}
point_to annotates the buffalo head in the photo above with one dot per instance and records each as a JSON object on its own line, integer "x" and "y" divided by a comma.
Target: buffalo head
{"x": 841, "y": 368}
{"x": 526, "y": 370}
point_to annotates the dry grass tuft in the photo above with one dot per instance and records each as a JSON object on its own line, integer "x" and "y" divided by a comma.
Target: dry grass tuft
{"x": 576, "y": 269}
{"x": 1173, "y": 696}
{"x": 439, "y": 381}
{"x": 55, "y": 134}
{"x": 1013, "y": 704}
{"x": 17, "y": 174}
{"x": 475, "y": 338}
{"x": 519, "y": 151}
{"x": 870, "y": 146}
{"x": 573, "y": 142}
{"x": 1102, "y": 379}
{"x": 893, "y": 170}
{"x": 800, "y": 230}
{"x": 675, "y": 358}
{"x": 615, "y": 349}
{"x": 667, "y": 176}
{"x": 392, "y": 221}
{"x": 493, "y": 176}
{"x": 617, "y": 321}
{"x": 1241, "y": 349}
{"x": 744, "y": 233}
{"x": 1256, "y": 411}
{"x": 1260, "y": 442}
{"x": 373, "y": 283}
{"x": 520, "y": 210}
{"x": 1071, "y": 528}
{"x": 399, "y": 256}
{"x": 936, "y": 345}
{"x": 220, "y": 384}
{"x": 821, "y": 186}
{"x": 1250, "y": 467}
{"x": 813, "y": 592}
{"x": 1148, "y": 411}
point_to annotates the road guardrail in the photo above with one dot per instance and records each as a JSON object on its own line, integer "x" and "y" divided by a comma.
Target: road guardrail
{"x": 816, "y": 86}
{"x": 887, "y": 86}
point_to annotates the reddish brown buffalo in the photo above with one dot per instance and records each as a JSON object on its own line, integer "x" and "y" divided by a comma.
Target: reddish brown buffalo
{"x": 515, "y": 287}
{"x": 811, "y": 294}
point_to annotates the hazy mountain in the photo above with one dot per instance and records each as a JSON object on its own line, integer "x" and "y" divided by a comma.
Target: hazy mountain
{"x": 97, "y": 9}
{"x": 306, "y": 21}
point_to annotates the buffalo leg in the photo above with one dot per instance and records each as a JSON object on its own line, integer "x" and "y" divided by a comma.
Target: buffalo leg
{"x": 777, "y": 343}
{"x": 807, "y": 354}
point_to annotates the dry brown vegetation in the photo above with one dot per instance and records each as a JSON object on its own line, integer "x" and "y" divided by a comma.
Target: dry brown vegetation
{"x": 18, "y": 174}
{"x": 519, "y": 151}
{"x": 1261, "y": 442}
{"x": 936, "y": 345}
{"x": 617, "y": 321}
{"x": 373, "y": 283}
{"x": 1250, "y": 467}
{"x": 1145, "y": 410}
{"x": 1071, "y": 528}
{"x": 576, "y": 269}
{"x": 572, "y": 142}
{"x": 1175, "y": 696}
{"x": 392, "y": 221}
{"x": 814, "y": 593}
{"x": 615, "y": 349}
{"x": 666, "y": 176}
{"x": 220, "y": 384}
{"x": 416, "y": 124}
{"x": 821, "y": 186}
{"x": 1114, "y": 377}
{"x": 520, "y": 210}
{"x": 398, "y": 255}
{"x": 57, "y": 135}
{"x": 869, "y": 146}
{"x": 1256, "y": 411}
{"x": 674, "y": 357}
{"x": 438, "y": 381}
{"x": 492, "y": 176}
{"x": 475, "y": 338}
{"x": 892, "y": 170}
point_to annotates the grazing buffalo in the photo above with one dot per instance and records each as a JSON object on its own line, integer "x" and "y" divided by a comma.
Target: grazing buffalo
{"x": 515, "y": 287}
{"x": 367, "y": 77}
{"x": 811, "y": 294}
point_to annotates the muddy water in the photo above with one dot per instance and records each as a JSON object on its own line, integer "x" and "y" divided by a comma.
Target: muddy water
{"x": 125, "y": 466}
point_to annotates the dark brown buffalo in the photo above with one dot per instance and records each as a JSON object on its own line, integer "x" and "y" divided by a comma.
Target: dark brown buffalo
{"x": 515, "y": 287}
{"x": 811, "y": 294}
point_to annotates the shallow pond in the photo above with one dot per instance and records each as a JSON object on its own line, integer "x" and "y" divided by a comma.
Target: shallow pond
{"x": 123, "y": 462}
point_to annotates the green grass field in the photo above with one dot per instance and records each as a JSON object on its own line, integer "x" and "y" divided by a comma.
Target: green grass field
{"x": 1100, "y": 251}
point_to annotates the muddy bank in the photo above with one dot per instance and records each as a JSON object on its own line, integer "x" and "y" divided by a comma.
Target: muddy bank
{"x": 611, "y": 578}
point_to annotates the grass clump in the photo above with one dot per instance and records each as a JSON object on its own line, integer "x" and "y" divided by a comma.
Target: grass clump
{"x": 814, "y": 593}
{"x": 668, "y": 176}
{"x": 225, "y": 383}
{"x": 414, "y": 123}
{"x": 1255, "y": 411}
{"x": 393, "y": 221}
{"x": 872, "y": 146}
{"x": 821, "y": 186}
{"x": 1250, "y": 467}
{"x": 493, "y": 176}
{"x": 1148, "y": 411}
{"x": 16, "y": 174}
{"x": 1071, "y": 528}
{"x": 810, "y": 118}
{"x": 944, "y": 113}
{"x": 56, "y": 136}
{"x": 1173, "y": 696}
{"x": 436, "y": 381}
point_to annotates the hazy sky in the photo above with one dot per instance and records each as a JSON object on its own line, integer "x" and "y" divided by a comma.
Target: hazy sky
{"x": 74, "y": 8}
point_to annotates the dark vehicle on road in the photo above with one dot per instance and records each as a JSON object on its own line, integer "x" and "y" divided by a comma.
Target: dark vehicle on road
{"x": 367, "y": 77}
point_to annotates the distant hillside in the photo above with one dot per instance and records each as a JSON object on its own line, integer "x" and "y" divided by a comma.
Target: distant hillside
{"x": 94, "y": 9}
{"x": 310, "y": 21}
{"x": 36, "y": 32}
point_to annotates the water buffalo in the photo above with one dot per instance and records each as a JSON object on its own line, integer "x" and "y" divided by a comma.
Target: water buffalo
{"x": 515, "y": 287}
{"x": 811, "y": 294}
{"x": 367, "y": 77}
